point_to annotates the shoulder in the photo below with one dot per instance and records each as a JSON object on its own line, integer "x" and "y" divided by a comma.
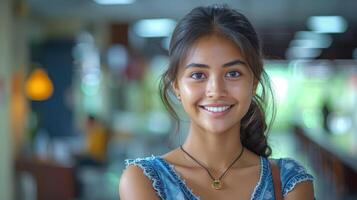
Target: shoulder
{"x": 295, "y": 179}
{"x": 136, "y": 181}
{"x": 174, "y": 157}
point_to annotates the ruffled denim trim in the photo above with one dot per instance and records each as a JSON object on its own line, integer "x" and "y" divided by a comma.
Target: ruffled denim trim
{"x": 263, "y": 172}
{"x": 295, "y": 180}
{"x": 150, "y": 172}
{"x": 179, "y": 180}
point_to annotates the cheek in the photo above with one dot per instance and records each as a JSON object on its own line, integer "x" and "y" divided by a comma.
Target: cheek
{"x": 191, "y": 91}
{"x": 244, "y": 103}
{"x": 244, "y": 93}
{"x": 244, "y": 89}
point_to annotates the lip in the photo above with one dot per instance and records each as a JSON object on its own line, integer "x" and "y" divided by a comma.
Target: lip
{"x": 216, "y": 105}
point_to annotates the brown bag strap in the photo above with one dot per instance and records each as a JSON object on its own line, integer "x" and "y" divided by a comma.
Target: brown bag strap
{"x": 276, "y": 180}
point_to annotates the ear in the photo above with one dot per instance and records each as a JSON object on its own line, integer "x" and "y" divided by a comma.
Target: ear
{"x": 255, "y": 85}
{"x": 175, "y": 87}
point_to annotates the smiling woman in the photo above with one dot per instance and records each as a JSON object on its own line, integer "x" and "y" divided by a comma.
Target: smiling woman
{"x": 215, "y": 85}
{"x": 215, "y": 68}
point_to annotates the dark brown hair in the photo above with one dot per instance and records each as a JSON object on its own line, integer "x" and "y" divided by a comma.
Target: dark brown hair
{"x": 222, "y": 20}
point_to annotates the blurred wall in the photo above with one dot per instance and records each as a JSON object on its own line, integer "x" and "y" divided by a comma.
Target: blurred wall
{"x": 55, "y": 56}
{"x": 6, "y": 173}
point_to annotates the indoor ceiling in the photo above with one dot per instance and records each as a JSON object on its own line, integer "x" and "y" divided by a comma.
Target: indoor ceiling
{"x": 277, "y": 21}
{"x": 262, "y": 13}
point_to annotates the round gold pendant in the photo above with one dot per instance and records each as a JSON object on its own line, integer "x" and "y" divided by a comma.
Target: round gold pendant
{"x": 217, "y": 184}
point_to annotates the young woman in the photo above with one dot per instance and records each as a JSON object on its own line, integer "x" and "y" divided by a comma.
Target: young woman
{"x": 215, "y": 68}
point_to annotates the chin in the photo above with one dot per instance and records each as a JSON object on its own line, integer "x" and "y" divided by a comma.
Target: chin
{"x": 220, "y": 127}
{"x": 217, "y": 129}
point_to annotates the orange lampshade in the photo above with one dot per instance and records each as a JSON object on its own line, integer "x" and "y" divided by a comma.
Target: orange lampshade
{"x": 39, "y": 86}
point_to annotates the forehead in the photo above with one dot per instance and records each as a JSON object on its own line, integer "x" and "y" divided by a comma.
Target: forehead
{"x": 213, "y": 49}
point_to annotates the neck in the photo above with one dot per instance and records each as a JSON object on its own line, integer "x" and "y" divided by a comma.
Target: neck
{"x": 215, "y": 150}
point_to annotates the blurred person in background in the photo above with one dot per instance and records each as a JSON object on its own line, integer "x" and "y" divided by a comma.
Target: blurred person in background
{"x": 96, "y": 139}
{"x": 94, "y": 153}
{"x": 215, "y": 68}
{"x": 326, "y": 113}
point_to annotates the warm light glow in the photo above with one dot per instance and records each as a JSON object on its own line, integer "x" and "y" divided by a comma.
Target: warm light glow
{"x": 39, "y": 86}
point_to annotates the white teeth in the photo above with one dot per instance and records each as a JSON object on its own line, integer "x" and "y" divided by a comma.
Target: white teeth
{"x": 217, "y": 109}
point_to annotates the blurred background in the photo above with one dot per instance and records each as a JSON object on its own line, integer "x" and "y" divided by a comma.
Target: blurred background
{"x": 79, "y": 79}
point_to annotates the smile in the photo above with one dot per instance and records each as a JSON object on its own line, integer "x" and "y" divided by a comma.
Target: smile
{"x": 217, "y": 109}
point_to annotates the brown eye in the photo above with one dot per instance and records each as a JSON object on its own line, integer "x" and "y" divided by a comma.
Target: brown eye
{"x": 198, "y": 76}
{"x": 233, "y": 74}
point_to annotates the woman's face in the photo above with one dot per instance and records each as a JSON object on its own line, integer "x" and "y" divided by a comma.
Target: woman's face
{"x": 215, "y": 84}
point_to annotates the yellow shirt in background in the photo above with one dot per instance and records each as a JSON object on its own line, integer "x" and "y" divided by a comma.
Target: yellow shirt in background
{"x": 96, "y": 143}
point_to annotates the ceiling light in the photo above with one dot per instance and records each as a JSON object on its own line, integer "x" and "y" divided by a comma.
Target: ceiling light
{"x": 327, "y": 24}
{"x": 310, "y": 39}
{"x": 302, "y": 53}
{"x": 154, "y": 27}
{"x": 39, "y": 86}
{"x": 114, "y": 2}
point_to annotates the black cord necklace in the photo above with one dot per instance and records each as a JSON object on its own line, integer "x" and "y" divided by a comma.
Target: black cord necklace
{"x": 216, "y": 183}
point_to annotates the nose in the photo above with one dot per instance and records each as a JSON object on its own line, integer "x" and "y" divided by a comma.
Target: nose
{"x": 216, "y": 88}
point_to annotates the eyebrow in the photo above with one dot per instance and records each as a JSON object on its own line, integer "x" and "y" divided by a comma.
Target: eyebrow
{"x": 228, "y": 64}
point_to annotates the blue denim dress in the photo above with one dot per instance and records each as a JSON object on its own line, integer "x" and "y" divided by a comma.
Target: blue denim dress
{"x": 170, "y": 186}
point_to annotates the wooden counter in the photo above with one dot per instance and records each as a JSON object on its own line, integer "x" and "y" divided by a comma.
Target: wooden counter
{"x": 53, "y": 181}
{"x": 333, "y": 157}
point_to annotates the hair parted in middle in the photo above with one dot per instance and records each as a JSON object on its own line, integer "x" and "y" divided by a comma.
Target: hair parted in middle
{"x": 228, "y": 23}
